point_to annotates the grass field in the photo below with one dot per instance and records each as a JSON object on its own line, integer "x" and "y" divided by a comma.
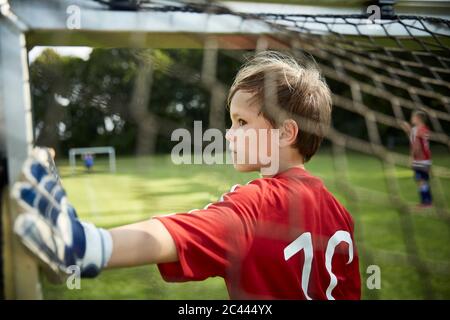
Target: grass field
{"x": 148, "y": 186}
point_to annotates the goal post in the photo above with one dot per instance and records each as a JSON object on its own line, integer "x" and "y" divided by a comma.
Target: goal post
{"x": 110, "y": 151}
{"x": 20, "y": 270}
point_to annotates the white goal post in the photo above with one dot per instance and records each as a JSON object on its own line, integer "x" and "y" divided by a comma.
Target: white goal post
{"x": 73, "y": 152}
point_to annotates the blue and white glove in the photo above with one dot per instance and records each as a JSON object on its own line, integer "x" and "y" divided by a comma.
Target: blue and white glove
{"x": 50, "y": 228}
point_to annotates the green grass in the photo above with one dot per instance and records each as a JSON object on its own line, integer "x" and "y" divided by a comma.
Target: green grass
{"x": 143, "y": 187}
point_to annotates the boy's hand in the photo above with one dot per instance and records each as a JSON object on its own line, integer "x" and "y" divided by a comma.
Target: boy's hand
{"x": 405, "y": 126}
{"x": 47, "y": 157}
{"x": 50, "y": 228}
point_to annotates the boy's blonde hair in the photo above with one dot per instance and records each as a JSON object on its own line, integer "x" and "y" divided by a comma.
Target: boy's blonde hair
{"x": 288, "y": 89}
{"x": 421, "y": 114}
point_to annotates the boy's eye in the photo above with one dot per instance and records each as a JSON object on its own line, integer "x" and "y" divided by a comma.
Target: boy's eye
{"x": 242, "y": 122}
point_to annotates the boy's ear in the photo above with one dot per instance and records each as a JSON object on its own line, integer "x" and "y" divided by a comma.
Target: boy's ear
{"x": 288, "y": 133}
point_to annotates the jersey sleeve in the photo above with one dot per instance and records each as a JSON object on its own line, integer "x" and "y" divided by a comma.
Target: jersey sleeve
{"x": 207, "y": 240}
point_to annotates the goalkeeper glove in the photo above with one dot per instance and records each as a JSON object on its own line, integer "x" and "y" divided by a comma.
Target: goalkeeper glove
{"x": 50, "y": 228}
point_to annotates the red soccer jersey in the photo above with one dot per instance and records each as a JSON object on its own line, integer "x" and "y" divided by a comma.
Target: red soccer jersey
{"x": 420, "y": 147}
{"x": 284, "y": 237}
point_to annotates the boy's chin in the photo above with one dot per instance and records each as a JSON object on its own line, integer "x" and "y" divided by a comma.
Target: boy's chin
{"x": 246, "y": 167}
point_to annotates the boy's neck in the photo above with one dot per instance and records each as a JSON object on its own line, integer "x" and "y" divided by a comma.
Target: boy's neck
{"x": 419, "y": 125}
{"x": 295, "y": 161}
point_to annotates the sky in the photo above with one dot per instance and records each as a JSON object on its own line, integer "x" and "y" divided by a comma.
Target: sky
{"x": 81, "y": 52}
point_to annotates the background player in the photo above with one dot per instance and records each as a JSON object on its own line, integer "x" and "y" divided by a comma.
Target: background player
{"x": 421, "y": 155}
{"x": 88, "y": 161}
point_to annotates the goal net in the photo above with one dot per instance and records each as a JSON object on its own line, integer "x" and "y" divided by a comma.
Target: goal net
{"x": 380, "y": 71}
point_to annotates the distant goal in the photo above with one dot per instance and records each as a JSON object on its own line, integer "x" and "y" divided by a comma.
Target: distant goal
{"x": 74, "y": 152}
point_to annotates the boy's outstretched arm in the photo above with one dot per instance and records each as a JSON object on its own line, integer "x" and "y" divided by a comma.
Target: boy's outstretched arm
{"x": 141, "y": 243}
{"x": 51, "y": 230}
{"x": 406, "y": 127}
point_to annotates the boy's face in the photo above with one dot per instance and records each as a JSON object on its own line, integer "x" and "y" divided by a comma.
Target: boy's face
{"x": 416, "y": 120}
{"x": 251, "y": 134}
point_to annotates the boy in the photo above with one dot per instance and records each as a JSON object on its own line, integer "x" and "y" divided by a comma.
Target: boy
{"x": 421, "y": 155}
{"x": 283, "y": 236}
{"x": 88, "y": 161}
